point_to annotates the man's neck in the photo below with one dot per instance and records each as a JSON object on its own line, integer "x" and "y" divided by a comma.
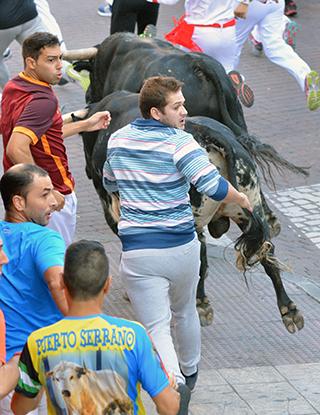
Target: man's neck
{"x": 14, "y": 217}
{"x": 84, "y": 308}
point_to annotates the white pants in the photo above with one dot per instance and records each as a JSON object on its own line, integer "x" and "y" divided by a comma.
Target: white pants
{"x": 49, "y": 20}
{"x": 269, "y": 17}
{"x": 256, "y": 34}
{"x": 18, "y": 33}
{"x": 65, "y": 220}
{"x": 5, "y": 406}
{"x": 219, "y": 43}
{"x": 161, "y": 284}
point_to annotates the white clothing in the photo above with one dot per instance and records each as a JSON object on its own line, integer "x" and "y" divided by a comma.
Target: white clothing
{"x": 217, "y": 42}
{"x": 161, "y": 284}
{"x": 18, "y": 33}
{"x": 269, "y": 17}
{"x": 65, "y": 220}
{"x": 256, "y": 34}
{"x": 49, "y": 20}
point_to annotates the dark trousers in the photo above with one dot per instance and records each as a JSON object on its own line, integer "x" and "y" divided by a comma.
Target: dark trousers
{"x": 127, "y": 13}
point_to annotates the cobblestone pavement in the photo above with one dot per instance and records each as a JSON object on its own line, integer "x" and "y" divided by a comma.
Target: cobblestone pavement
{"x": 250, "y": 363}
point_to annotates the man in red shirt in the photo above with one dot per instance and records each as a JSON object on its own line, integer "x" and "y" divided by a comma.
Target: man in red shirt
{"x": 32, "y": 127}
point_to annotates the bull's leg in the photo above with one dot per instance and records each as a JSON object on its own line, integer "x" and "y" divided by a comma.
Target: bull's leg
{"x": 292, "y": 318}
{"x": 203, "y": 305}
{"x": 272, "y": 220}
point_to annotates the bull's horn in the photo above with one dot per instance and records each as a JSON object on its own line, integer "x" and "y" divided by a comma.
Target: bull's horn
{"x": 79, "y": 54}
{"x": 79, "y": 114}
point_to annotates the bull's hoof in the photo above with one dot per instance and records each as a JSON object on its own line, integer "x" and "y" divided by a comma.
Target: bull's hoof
{"x": 275, "y": 229}
{"x": 205, "y": 311}
{"x": 292, "y": 318}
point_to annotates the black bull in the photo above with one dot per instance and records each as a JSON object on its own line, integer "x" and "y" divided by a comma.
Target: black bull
{"x": 124, "y": 61}
{"x": 234, "y": 163}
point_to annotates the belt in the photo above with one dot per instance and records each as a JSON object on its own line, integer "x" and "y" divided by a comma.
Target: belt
{"x": 230, "y": 23}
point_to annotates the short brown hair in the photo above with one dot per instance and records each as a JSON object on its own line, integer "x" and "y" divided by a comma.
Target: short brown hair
{"x": 17, "y": 181}
{"x": 33, "y": 44}
{"x": 86, "y": 269}
{"x": 155, "y": 91}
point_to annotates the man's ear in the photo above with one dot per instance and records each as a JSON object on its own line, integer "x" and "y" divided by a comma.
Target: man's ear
{"x": 62, "y": 284}
{"x": 19, "y": 203}
{"x": 155, "y": 113}
{"x": 107, "y": 285}
{"x": 30, "y": 62}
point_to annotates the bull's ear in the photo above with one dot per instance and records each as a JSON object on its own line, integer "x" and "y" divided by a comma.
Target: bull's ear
{"x": 80, "y": 371}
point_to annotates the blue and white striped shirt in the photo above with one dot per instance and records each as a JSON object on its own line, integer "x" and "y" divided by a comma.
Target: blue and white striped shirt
{"x": 151, "y": 165}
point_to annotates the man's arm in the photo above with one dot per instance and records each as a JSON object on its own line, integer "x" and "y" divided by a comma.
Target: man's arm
{"x": 18, "y": 148}
{"x": 21, "y": 404}
{"x": 97, "y": 121}
{"x": 53, "y": 277}
{"x": 9, "y": 376}
{"x": 193, "y": 162}
{"x": 29, "y": 390}
{"x": 167, "y": 401}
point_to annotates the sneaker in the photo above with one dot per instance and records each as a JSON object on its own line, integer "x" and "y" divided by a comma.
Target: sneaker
{"x": 290, "y": 33}
{"x": 149, "y": 31}
{"x": 191, "y": 380}
{"x": 82, "y": 77}
{"x": 185, "y": 395}
{"x": 244, "y": 92}
{"x": 290, "y": 9}
{"x": 256, "y": 47}
{"x": 7, "y": 54}
{"x": 312, "y": 89}
{"x": 105, "y": 10}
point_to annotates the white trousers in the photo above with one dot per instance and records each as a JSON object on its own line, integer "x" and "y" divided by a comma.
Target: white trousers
{"x": 219, "y": 43}
{"x": 65, "y": 220}
{"x": 49, "y": 20}
{"x": 18, "y": 33}
{"x": 161, "y": 284}
{"x": 256, "y": 34}
{"x": 269, "y": 18}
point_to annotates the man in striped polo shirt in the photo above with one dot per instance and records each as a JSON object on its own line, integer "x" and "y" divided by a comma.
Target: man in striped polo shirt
{"x": 151, "y": 163}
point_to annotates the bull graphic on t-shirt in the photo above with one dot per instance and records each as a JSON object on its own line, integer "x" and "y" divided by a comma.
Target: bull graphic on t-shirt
{"x": 88, "y": 392}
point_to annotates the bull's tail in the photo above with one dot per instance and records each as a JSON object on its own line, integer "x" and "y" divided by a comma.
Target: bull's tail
{"x": 266, "y": 157}
{"x": 230, "y": 107}
{"x": 254, "y": 245}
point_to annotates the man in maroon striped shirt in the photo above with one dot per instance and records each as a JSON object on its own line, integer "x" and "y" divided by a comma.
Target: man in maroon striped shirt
{"x": 32, "y": 127}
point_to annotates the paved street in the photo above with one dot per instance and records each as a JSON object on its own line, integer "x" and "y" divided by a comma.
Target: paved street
{"x": 250, "y": 363}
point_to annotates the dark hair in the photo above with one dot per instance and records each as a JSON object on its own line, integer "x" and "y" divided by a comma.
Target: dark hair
{"x": 86, "y": 269}
{"x": 33, "y": 44}
{"x": 17, "y": 181}
{"x": 155, "y": 91}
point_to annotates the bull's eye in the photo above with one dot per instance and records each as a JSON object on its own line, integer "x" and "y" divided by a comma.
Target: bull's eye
{"x": 71, "y": 377}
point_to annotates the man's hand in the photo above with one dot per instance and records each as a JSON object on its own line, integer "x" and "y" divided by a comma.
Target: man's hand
{"x": 60, "y": 200}
{"x": 241, "y": 11}
{"x": 98, "y": 121}
{"x": 244, "y": 202}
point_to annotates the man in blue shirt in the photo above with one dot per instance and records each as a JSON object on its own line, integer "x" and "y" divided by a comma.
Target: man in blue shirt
{"x": 90, "y": 362}
{"x": 30, "y": 287}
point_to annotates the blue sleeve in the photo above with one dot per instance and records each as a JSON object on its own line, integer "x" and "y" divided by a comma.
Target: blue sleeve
{"x": 50, "y": 251}
{"x": 109, "y": 180}
{"x": 193, "y": 162}
{"x": 152, "y": 375}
